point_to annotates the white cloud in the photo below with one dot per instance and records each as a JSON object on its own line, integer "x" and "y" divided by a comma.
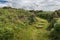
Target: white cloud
{"x": 34, "y": 4}
{"x": 2, "y": 5}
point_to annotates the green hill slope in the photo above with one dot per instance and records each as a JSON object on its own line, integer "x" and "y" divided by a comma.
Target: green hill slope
{"x": 19, "y": 24}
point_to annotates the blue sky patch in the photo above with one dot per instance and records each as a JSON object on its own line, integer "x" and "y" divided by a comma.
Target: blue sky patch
{"x": 3, "y": 1}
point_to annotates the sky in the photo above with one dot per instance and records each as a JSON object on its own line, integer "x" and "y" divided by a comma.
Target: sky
{"x": 48, "y": 5}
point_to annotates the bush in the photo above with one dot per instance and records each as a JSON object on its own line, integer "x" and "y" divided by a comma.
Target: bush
{"x": 57, "y": 27}
{"x": 31, "y": 19}
{"x": 55, "y": 34}
{"x": 6, "y": 34}
{"x": 47, "y": 16}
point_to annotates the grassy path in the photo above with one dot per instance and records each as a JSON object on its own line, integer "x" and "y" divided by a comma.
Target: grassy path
{"x": 38, "y": 33}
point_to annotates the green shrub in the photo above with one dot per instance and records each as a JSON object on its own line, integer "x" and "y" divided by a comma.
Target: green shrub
{"x": 6, "y": 34}
{"x": 45, "y": 15}
{"x": 31, "y": 19}
{"x": 55, "y": 34}
{"x": 57, "y": 27}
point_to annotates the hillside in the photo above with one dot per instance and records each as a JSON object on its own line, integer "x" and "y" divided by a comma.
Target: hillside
{"x": 20, "y": 24}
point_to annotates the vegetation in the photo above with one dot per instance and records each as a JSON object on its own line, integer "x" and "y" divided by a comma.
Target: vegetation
{"x": 20, "y": 24}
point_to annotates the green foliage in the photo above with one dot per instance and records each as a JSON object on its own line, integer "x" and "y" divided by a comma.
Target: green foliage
{"x": 55, "y": 33}
{"x": 57, "y": 28}
{"x": 45, "y": 15}
{"x": 14, "y": 24}
{"x": 6, "y": 34}
{"x": 32, "y": 19}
